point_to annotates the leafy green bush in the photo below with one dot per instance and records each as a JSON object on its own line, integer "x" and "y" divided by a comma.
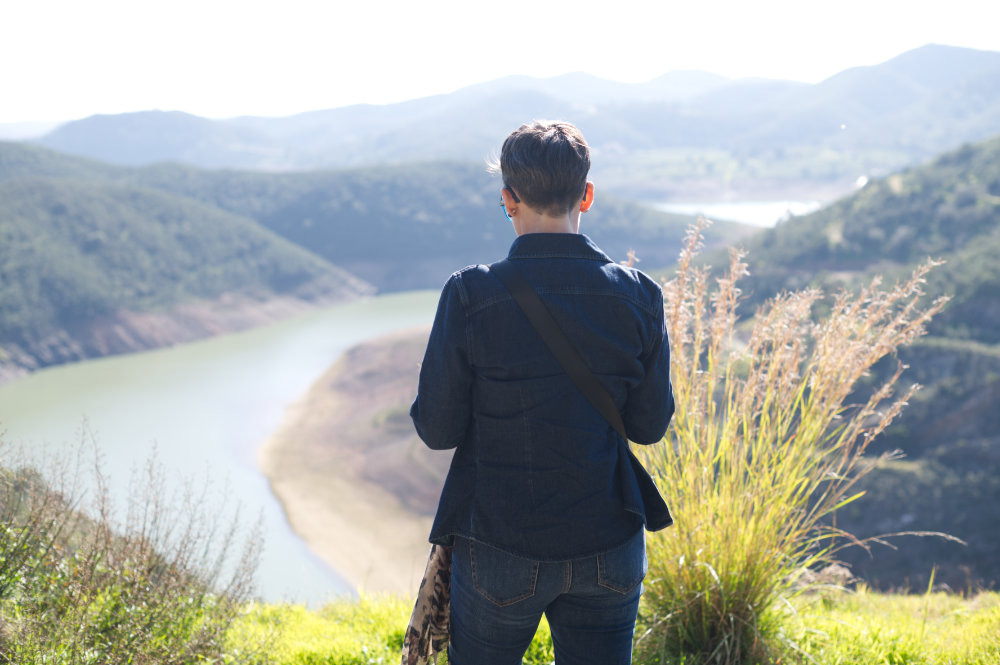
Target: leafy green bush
{"x": 763, "y": 451}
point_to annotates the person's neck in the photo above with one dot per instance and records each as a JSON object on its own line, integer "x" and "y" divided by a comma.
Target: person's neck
{"x": 534, "y": 222}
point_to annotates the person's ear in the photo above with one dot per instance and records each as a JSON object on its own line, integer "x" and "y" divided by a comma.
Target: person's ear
{"x": 510, "y": 200}
{"x": 588, "y": 198}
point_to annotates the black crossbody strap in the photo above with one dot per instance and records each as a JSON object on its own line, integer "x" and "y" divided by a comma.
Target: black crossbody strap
{"x": 559, "y": 344}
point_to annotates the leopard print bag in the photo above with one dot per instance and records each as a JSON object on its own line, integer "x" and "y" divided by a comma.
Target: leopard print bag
{"x": 427, "y": 633}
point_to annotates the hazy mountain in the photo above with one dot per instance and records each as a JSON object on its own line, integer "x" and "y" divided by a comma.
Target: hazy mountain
{"x": 656, "y": 139}
{"x": 896, "y": 105}
{"x": 747, "y": 96}
{"x": 156, "y": 136}
{"x": 584, "y": 89}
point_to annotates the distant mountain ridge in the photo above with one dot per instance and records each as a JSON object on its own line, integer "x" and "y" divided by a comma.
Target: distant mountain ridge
{"x": 144, "y": 138}
{"x": 753, "y": 136}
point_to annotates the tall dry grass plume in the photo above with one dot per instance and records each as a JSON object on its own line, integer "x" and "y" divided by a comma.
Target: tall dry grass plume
{"x": 764, "y": 448}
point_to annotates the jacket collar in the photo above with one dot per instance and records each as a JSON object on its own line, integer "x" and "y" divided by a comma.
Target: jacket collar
{"x": 556, "y": 245}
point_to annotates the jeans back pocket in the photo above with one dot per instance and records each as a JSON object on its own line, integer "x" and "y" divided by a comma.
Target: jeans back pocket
{"x": 623, "y": 567}
{"x": 502, "y": 578}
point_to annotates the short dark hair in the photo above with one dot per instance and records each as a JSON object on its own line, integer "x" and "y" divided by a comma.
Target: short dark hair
{"x": 546, "y": 164}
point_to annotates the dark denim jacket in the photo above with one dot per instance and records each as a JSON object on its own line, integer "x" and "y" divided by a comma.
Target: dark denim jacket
{"x": 535, "y": 470}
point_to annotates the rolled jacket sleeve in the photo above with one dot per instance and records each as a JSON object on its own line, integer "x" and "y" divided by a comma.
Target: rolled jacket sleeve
{"x": 442, "y": 411}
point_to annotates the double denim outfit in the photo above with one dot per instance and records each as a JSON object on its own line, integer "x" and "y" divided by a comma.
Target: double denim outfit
{"x": 535, "y": 476}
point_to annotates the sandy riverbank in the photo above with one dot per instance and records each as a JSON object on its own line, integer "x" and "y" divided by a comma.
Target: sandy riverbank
{"x": 355, "y": 481}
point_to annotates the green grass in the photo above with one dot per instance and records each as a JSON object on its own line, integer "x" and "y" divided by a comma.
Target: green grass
{"x": 366, "y": 631}
{"x": 866, "y": 628}
{"x": 369, "y": 630}
{"x": 833, "y": 627}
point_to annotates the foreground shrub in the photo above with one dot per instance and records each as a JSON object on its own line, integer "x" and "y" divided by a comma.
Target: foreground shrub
{"x": 764, "y": 449}
{"x": 81, "y": 586}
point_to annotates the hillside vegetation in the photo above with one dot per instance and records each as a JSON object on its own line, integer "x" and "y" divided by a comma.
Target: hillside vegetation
{"x": 88, "y": 582}
{"x": 949, "y": 479}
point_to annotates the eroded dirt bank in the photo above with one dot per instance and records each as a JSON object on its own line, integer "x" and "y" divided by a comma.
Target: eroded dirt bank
{"x": 130, "y": 332}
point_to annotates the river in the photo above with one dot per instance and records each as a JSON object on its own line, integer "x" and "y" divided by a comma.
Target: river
{"x": 205, "y": 408}
{"x": 755, "y": 213}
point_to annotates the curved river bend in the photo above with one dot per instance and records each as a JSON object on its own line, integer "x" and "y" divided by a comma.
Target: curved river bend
{"x": 205, "y": 408}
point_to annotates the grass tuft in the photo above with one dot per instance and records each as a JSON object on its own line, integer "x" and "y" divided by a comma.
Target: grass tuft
{"x": 763, "y": 449}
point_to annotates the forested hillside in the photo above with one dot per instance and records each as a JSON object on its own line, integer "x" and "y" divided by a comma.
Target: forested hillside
{"x": 89, "y": 266}
{"x": 949, "y": 480}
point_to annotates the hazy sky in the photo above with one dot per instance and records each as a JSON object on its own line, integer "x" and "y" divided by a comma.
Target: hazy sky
{"x": 66, "y": 59}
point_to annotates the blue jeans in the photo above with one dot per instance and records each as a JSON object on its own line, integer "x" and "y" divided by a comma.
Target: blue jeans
{"x": 497, "y": 600}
